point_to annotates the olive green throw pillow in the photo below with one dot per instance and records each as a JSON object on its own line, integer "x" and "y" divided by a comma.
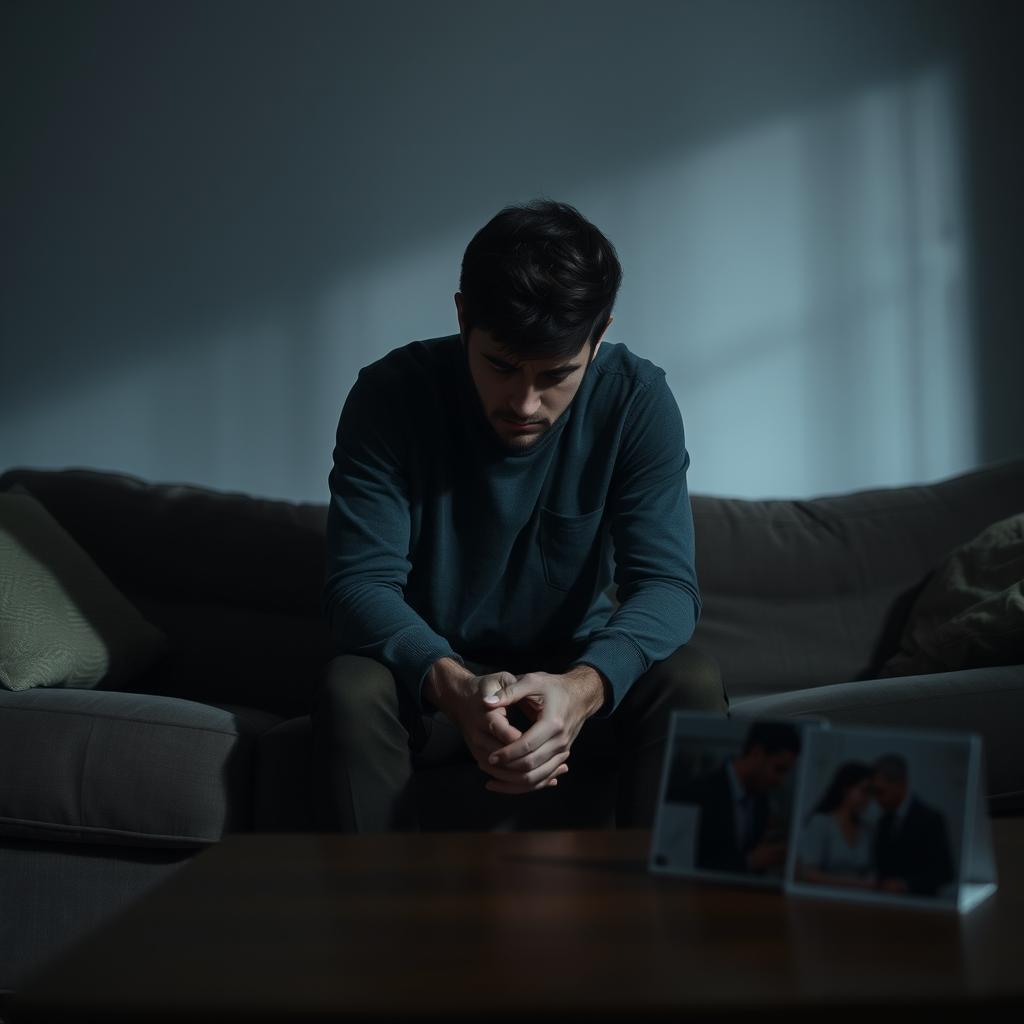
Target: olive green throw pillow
{"x": 62, "y": 621}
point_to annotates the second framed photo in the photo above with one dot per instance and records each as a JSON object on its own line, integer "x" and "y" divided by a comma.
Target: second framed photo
{"x": 891, "y": 816}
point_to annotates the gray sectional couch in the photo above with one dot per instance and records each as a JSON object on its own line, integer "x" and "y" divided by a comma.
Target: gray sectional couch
{"x": 105, "y": 792}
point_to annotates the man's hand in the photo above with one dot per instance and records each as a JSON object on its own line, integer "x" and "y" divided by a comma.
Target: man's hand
{"x": 558, "y": 706}
{"x": 459, "y": 694}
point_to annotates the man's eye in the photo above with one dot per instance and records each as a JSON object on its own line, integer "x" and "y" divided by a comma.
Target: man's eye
{"x": 502, "y": 369}
{"x": 558, "y": 378}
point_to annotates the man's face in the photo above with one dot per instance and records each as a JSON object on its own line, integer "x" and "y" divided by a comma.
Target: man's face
{"x": 888, "y": 793}
{"x": 770, "y": 770}
{"x": 521, "y": 399}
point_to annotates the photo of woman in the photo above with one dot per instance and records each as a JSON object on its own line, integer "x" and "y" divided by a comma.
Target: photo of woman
{"x": 837, "y": 841}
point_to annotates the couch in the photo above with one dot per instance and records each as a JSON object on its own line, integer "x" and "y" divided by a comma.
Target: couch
{"x": 104, "y": 792}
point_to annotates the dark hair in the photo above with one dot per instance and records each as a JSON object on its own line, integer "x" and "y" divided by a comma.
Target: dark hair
{"x": 891, "y": 767}
{"x": 773, "y": 738}
{"x": 846, "y": 777}
{"x": 541, "y": 279}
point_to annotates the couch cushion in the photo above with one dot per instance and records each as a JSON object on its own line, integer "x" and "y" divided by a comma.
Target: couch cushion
{"x": 86, "y": 766}
{"x": 971, "y": 612}
{"x": 232, "y": 580}
{"x": 229, "y": 655}
{"x": 989, "y": 702}
{"x": 62, "y": 622}
{"x": 185, "y": 543}
{"x": 808, "y": 593}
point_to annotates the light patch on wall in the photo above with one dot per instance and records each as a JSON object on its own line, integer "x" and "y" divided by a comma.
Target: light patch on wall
{"x": 804, "y": 285}
{"x": 803, "y": 281}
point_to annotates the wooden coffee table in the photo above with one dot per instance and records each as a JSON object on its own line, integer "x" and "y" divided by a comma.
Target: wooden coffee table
{"x": 516, "y": 926}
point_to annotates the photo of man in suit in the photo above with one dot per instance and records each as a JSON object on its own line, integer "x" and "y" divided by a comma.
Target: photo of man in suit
{"x": 912, "y": 850}
{"x": 734, "y": 802}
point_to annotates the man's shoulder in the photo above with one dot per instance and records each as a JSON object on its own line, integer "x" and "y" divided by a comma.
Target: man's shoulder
{"x": 615, "y": 360}
{"x": 633, "y": 390}
{"x": 414, "y": 363}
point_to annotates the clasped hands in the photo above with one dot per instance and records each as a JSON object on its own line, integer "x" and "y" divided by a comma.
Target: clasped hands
{"x": 518, "y": 761}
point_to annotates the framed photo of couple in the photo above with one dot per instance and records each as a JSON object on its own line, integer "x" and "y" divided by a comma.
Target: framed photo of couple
{"x": 878, "y": 815}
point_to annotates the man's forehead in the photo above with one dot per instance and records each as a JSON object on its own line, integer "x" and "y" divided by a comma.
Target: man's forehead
{"x": 496, "y": 350}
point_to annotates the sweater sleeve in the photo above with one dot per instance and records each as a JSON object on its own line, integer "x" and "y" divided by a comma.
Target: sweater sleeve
{"x": 652, "y": 537}
{"x": 368, "y": 530}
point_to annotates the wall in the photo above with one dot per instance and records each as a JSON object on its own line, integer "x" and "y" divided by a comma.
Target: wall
{"x": 214, "y": 213}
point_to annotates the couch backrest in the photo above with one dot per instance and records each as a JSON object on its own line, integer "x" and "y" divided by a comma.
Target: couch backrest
{"x": 233, "y": 580}
{"x": 805, "y": 593}
{"x": 796, "y": 593}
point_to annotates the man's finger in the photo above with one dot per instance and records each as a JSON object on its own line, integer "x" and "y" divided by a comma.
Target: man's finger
{"x": 531, "y": 778}
{"x": 516, "y": 778}
{"x": 488, "y": 742}
{"x": 515, "y": 788}
{"x": 536, "y": 757}
{"x": 529, "y": 742}
{"x": 500, "y": 690}
{"x": 501, "y": 729}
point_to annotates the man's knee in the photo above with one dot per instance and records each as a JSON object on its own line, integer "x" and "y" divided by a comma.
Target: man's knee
{"x": 691, "y": 679}
{"x": 353, "y": 686}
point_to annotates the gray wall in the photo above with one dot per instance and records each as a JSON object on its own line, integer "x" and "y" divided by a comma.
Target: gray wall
{"x": 214, "y": 213}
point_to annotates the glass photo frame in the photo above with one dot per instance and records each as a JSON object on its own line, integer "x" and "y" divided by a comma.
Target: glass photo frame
{"x": 892, "y": 816}
{"x": 726, "y": 799}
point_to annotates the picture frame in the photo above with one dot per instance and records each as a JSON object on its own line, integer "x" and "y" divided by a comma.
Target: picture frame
{"x": 892, "y": 816}
{"x": 726, "y": 796}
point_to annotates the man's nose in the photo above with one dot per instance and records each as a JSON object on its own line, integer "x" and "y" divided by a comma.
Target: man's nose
{"x": 525, "y": 401}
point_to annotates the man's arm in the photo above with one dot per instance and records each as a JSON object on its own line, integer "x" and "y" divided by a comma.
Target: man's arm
{"x": 652, "y": 535}
{"x": 367, "y": 564}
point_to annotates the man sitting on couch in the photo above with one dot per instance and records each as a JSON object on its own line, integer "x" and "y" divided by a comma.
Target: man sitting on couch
{"x": 485, "y": 485}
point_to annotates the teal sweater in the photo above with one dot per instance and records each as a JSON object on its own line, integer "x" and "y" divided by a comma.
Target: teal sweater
{"x": 443, "y": 542}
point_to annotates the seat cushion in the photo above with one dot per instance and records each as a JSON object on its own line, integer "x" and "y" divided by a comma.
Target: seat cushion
{"x": 989, "y": 702}
{"x": 108, "y": 767}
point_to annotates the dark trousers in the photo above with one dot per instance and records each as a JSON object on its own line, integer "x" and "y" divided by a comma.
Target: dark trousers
{"x": 370, "y": 741}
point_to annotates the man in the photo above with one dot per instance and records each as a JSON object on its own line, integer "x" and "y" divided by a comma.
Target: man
{"x": 733, "y": 801}
{"x": 480, "y": 482}
{"x": 912, "y": 851}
